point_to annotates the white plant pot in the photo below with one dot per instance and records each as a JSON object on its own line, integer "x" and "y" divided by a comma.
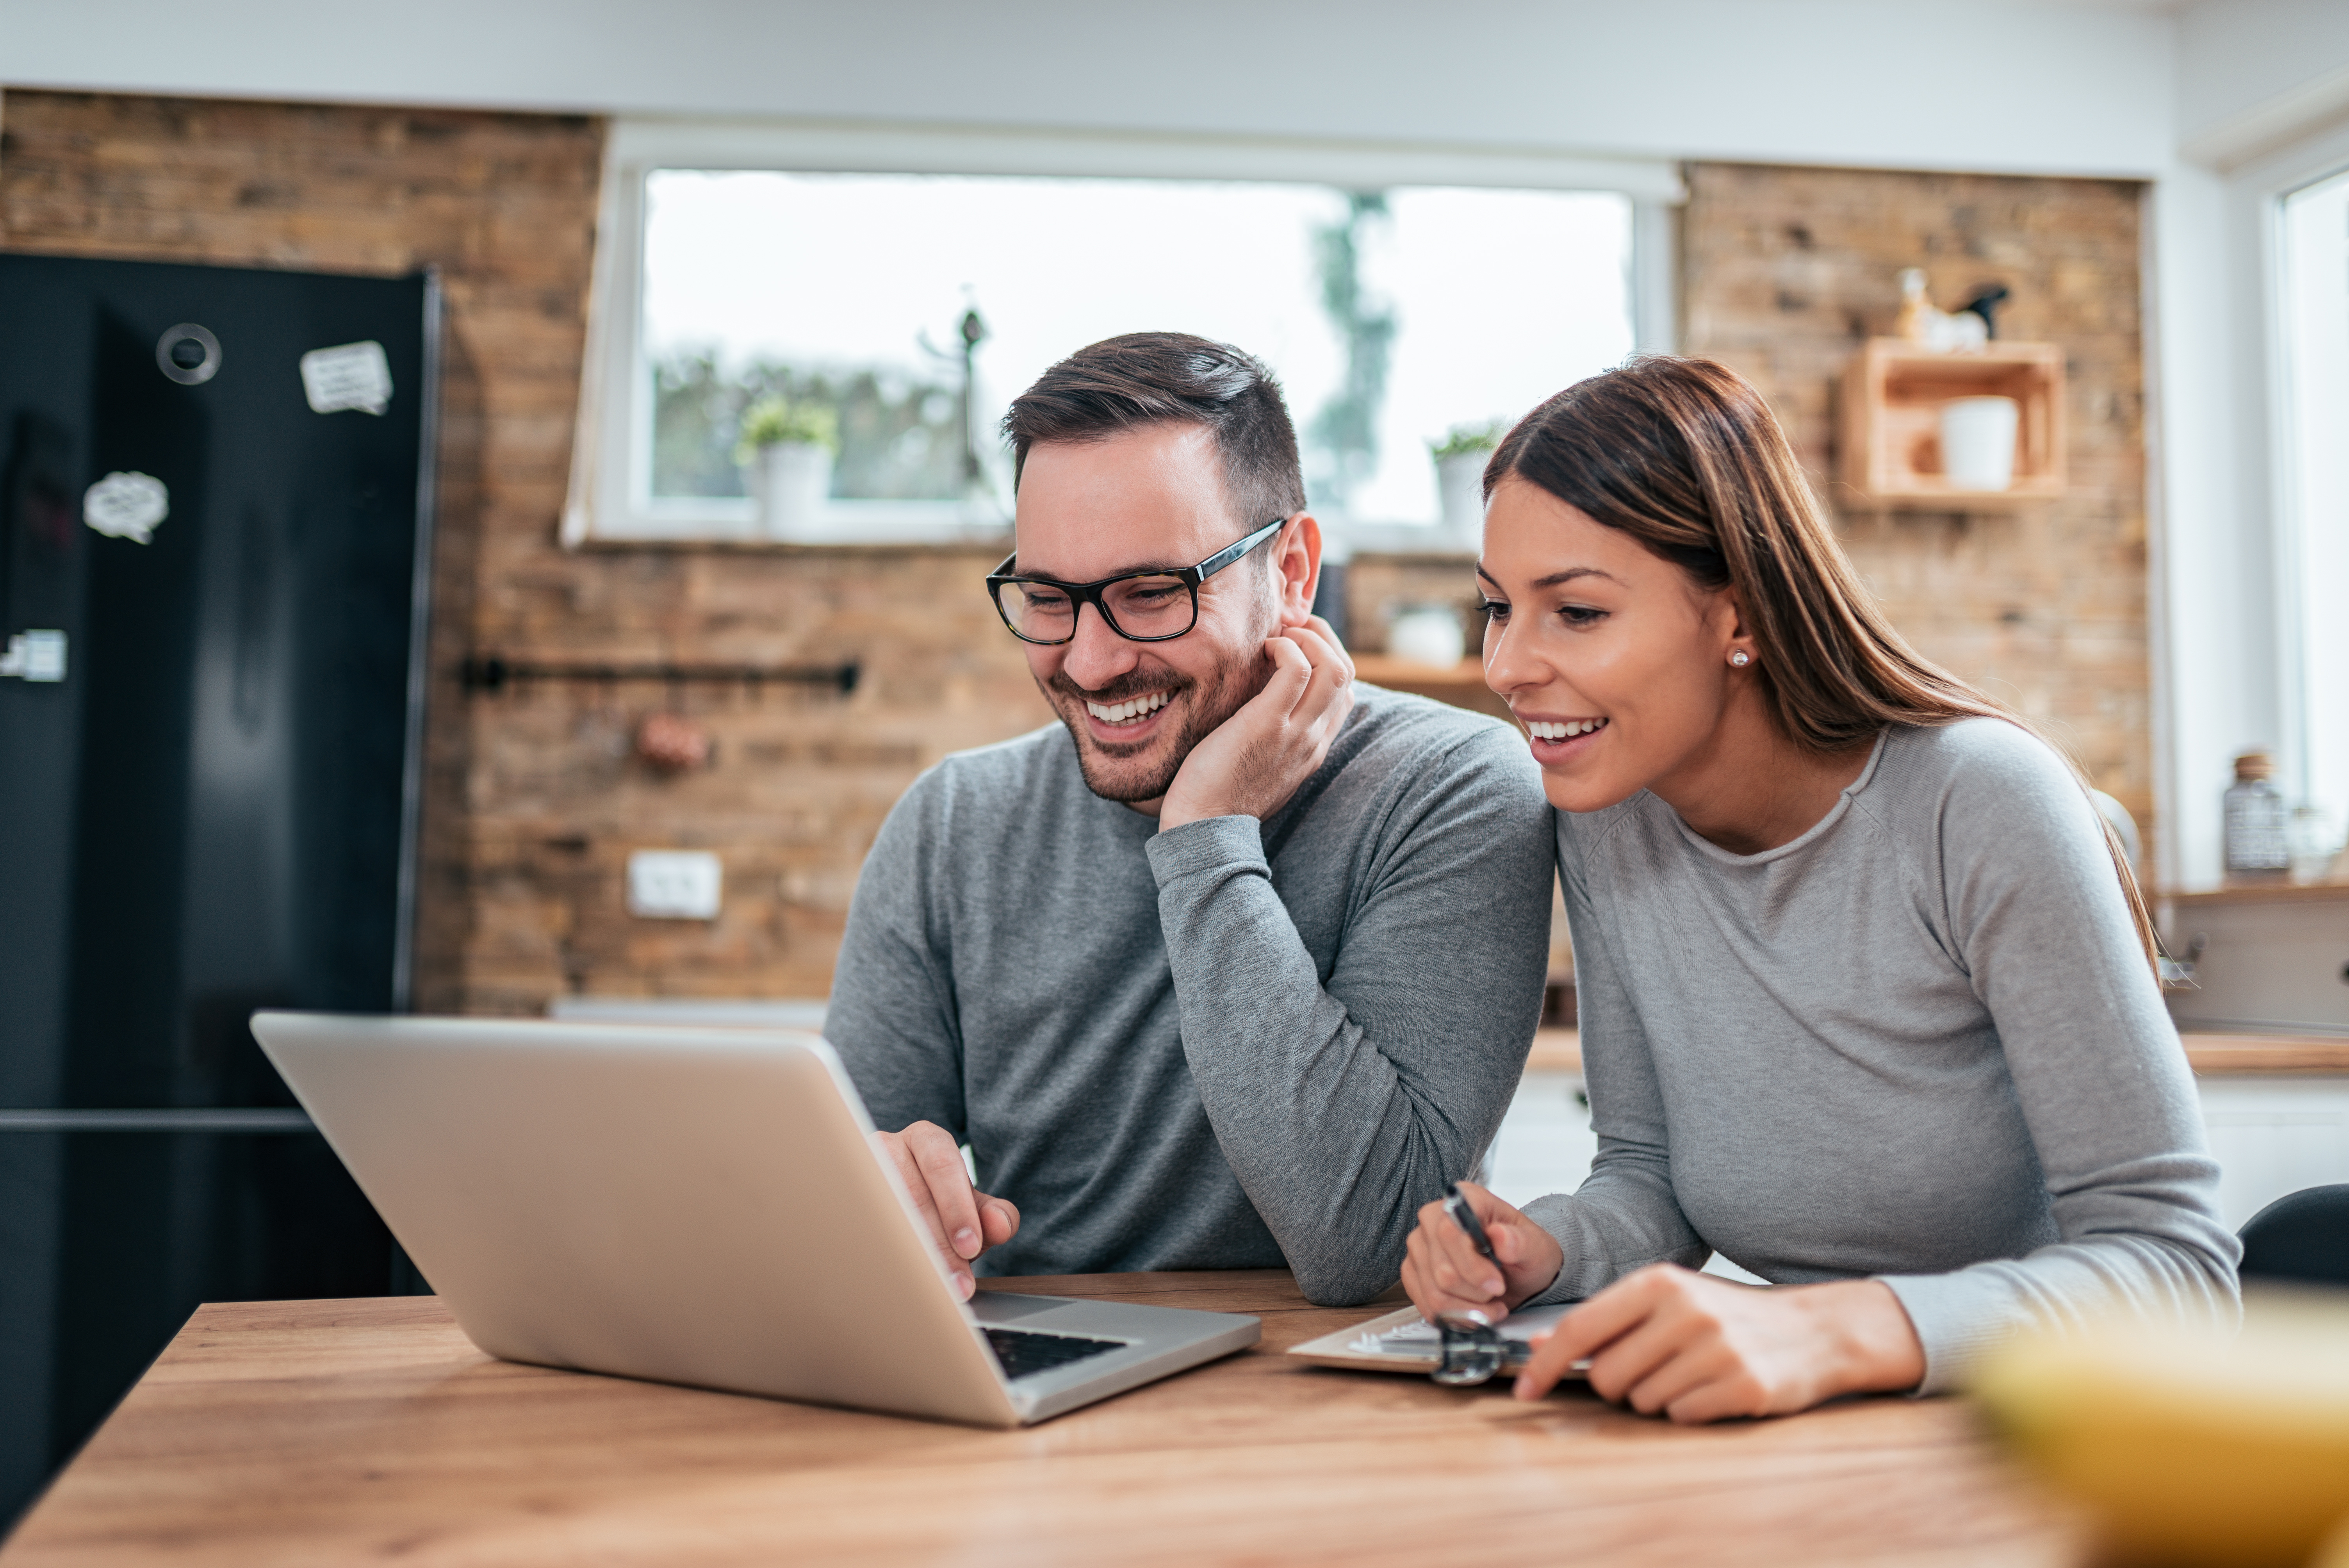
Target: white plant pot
{"x": 1460, "y": 486}
{"x": 794, "y": 489}
{"x": 1978, "y": 442}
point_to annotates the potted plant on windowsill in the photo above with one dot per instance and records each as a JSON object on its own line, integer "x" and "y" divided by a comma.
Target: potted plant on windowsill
{"x": 788, "y": 446}
{"x": 1459, "y": 459}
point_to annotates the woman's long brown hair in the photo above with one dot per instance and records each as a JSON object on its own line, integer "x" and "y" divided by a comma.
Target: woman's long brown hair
{"x": 1687, "y": 458}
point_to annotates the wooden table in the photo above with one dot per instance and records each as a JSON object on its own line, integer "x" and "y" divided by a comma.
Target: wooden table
{"x": 341, "y": 1431}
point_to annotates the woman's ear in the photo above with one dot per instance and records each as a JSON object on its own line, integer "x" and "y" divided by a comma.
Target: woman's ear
{"x": 1296, "y": 568}
{"x": 1737, "y": 646}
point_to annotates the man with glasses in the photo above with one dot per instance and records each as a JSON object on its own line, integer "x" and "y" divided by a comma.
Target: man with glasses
{"x": 1237, "y": 965}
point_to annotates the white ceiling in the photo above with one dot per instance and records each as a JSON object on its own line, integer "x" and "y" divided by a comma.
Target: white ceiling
{"x": 2091, "y": 87}
{"x": 1958, "y": 84}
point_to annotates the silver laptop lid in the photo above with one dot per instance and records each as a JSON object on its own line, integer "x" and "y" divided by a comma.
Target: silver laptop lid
{"x": 687, "y": 1205}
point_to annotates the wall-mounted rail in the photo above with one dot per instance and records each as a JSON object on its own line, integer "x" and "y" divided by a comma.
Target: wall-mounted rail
{"x": 494, "y": 672}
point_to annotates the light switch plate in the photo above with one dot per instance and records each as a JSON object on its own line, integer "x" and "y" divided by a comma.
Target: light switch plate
{"x": 674, "y": 884}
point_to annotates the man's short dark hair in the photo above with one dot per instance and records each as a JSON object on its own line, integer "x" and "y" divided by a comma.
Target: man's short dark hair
{"x": 1155, "y": 377}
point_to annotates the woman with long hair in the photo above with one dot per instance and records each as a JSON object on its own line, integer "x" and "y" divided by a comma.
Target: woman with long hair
{"x": 1867, "y": 992}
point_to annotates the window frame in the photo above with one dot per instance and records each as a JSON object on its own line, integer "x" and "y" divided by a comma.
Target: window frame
{"x": 2272, "y": 181}
{"x": 606, "y": 504}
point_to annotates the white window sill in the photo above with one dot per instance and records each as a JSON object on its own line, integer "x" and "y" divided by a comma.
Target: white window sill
{"x": 848, "y": 524}
{"x": 883, "y": 525}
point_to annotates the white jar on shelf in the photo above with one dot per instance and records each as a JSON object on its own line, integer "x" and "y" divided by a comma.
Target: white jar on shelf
{"x": 1427, "y": 634}
{"x": 1978, "y": 442}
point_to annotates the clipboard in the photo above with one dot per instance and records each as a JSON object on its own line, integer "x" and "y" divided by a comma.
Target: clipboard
{"x": 1404, "y": 1341}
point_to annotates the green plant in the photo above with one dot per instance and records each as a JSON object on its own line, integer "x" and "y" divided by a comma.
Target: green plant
{"x": 1466, "y": 441}
{"x": 775, "y": 421}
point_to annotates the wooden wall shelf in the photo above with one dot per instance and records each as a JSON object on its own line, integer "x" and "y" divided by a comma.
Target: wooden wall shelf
{"x": 1461, "y": 684}
{"x": 1892, "y": 396}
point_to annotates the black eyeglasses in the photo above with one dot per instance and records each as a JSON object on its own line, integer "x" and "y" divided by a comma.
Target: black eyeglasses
{"x": 1140, "y": 606}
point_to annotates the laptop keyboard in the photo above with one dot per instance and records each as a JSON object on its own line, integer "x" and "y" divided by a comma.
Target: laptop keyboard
{"x": 1024, "y": 1353}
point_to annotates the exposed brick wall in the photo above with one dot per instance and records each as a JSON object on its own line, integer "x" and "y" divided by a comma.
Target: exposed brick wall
{"x": 533, "y": 798}
{"x": 1786, "y": 271}
{"x": 795, "y": 791}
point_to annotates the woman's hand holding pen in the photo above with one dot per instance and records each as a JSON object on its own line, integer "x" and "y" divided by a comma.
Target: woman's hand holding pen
{"x": 1444, "y": 1273}
{"x": 1666, "y": 1340}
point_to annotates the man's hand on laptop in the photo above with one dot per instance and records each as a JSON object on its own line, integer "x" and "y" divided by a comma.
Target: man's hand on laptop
{"x": 963, "y": 1221}
{"x": 1249, "y": 765}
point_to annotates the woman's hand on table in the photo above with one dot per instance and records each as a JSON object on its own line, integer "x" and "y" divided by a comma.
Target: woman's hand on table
{"x": 1668, "y": 1341}
{"x": 1444, "y": 1273}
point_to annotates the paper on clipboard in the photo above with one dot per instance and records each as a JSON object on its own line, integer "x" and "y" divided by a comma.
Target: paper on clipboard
{"x": 1405, "y": 1342}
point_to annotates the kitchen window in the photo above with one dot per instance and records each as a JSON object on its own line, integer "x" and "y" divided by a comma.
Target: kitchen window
{"x": 802, "y": 286}
{"x": 2313, "y": 280}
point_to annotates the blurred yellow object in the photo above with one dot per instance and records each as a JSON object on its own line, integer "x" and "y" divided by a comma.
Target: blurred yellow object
{"x": 2193, "y": 1449}
{"x": 2334, "y": 1552}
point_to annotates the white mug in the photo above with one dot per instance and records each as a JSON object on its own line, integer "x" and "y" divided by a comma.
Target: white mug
{"x": 1978, "y": 442}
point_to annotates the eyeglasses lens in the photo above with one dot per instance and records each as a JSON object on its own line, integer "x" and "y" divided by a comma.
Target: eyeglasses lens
{"x": 1038, "y": 612}
{"x": 1150, "y": 607}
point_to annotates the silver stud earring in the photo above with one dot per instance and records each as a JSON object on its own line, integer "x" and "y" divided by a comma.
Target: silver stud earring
{"x": 1741, "y": 658}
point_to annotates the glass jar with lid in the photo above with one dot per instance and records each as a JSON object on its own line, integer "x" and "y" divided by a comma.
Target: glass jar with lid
{"x": 2258, "y": 821}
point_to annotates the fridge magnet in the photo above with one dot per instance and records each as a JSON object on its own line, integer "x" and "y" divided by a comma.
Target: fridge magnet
{"x": 188, "y": 354}
{"x": 125, "y": 506}
{"x": 349, "y": 376}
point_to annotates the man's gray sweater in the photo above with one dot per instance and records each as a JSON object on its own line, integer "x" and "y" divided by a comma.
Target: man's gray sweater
{"x": 1230, "y": 1045}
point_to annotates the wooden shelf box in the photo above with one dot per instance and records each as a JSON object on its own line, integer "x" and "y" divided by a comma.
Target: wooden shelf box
{"x": 1461, "y": 684}
{"x": 1892, "y": 399}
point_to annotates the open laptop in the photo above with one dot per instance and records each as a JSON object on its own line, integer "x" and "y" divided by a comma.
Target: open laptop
{"x": 692, "y": 1205}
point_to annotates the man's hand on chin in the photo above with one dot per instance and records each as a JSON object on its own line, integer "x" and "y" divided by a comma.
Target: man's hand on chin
{"x": 1250, "y": 764}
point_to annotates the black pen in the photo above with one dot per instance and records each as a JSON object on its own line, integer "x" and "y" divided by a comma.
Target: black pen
{"x": 1455, "y": 1204}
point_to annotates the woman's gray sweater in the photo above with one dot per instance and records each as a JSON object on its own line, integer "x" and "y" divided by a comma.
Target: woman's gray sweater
{"x": 1919, "y": 1043}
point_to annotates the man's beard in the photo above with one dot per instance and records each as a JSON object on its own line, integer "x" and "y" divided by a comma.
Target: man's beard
{"x": 1207, "y": 706}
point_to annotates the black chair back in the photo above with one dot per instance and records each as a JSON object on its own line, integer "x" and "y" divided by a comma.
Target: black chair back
{"x": 2304, "y": 1236}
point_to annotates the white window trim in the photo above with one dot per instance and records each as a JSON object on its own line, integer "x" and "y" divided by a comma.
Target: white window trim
{"x": 613, "y": 420}
{"x": 2266, "y": 183}
{"x": 2302, "y": 685}
{"x": 2230, "y": 658}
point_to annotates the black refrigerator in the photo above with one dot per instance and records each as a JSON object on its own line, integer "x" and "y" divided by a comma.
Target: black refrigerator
{"x": 214, "y": 533}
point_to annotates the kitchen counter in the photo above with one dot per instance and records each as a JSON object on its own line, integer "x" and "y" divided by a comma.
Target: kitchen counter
{"x": 2211, "y": 1055}
{"x": 2259, "y": 893}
